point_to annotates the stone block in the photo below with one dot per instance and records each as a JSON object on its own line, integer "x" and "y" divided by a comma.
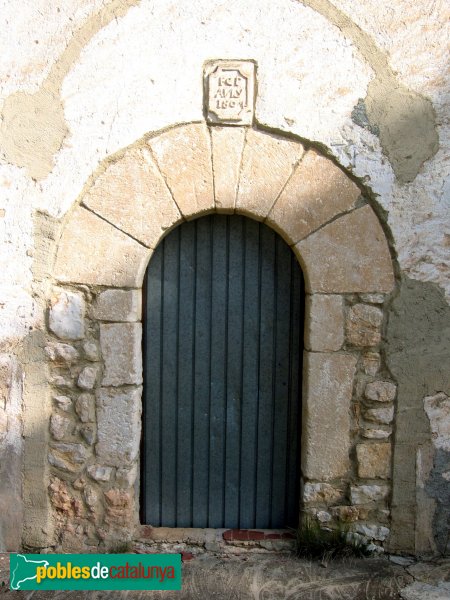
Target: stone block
{"x": 88, "y": 377}
{"x": 93, "y": 251}
{"x": 85, "y": 408}
{"x": 59, "y": 426}
{"x": 372, "y": 298}
{"x": 88, "y": 433}
{"x": 63, "y": 402}
{"x": 375, "y": 532}
{"x": 118, "y": 306}
{"x": 227, "y": 146}
{"x": 99, "y": 472}
{"x": 67, "y": 456}
{"x": 348, "y": 514}
{"x": 230, "y": 91}
{"x": 122, "y": 353}
{"x": 188, "y": 170}
{"x": 132, "y": 195}
{"x": 317, "y": 192}
{"x": 91, "y": 497}
{"x": 322, "y": 516}
{"x": 374, "y": 460}
{"x": 403, "y": 525}
{"x": 371, "y": 362}
{"x": 324, "y": 323}
{"x": 91, "y": 351}
{"x": 380, "y": 391}
{"x": 66, "y": 315}
{"x": 348, "y": 255}
{"x": 61, "y": 381}
{"x": 119, "y": 508}
{"x": 327, "y": 397}
{"x": 119, "y": 426}
{"x": 322, "y": 493}
{"x": 267, "y": 164}
{"x": 376, "y": 434}
{"x": 363, "y": 325}
{"x": 61, "y": 354}
{"x": 79, "y": 483}
{"x": 62, "y": 499}
{"x": 367, "y": 494}
{"x": 383, "y": 415}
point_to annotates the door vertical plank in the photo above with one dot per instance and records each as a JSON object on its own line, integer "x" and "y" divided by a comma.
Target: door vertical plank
{"x": 294, "y": 413}
{"x": 169, "y": 382}
{"x": 234, "y": 372}
{"x": 250, "y": 365}
{"x": 280, "y": 382}
{"x": 153, "y": 390}
{"x": 266, "y": 349}
{"x": 202, "y": 373}
{"x": 186, "y": 392}
{"x": 216, "y": 512}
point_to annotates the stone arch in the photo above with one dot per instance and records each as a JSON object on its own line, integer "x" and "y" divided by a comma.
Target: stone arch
{"x": 139, "y": 195}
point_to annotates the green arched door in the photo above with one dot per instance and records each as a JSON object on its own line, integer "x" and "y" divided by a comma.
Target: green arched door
{"x": 223, "y": 326}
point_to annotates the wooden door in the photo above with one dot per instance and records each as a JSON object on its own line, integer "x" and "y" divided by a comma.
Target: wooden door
{"x": 223, "y": 323}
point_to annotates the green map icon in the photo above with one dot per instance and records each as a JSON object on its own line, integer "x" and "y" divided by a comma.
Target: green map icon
{"x": 23, "y": 569}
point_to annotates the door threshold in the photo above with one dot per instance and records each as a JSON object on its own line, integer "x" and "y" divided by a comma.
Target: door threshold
{"x": 196, "y": 540}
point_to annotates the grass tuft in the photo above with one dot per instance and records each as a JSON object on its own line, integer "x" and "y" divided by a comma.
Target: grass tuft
{"x": 121, "y": 548}
{"x": 313, "y": 542}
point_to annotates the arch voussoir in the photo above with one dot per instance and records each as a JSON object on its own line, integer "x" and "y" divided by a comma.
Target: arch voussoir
{"x": 94, "y": 252}
{"x": 227, "y": 148}
{"x": 131, "y": 194}
{"x": 317, "y": 191}
{"x": 348, "y": 255}
{"x": 267, "y": 164}
{"x": 183, "y": 155}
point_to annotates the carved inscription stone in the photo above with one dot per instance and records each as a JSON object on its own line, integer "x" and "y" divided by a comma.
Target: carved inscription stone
{"x": 230, "y": 92}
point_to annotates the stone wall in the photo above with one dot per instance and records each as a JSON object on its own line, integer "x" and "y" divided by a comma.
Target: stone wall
{"x": 94, "y": 334}
{"x": 365, "y": 86}
{"x": 95, "y": 374}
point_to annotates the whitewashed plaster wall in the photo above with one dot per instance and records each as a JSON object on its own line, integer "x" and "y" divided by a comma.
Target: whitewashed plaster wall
{"x": 142, "y": 72}
{"x": 81, "y": 79}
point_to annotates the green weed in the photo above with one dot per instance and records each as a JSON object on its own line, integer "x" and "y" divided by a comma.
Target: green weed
{"x": 314, "y": 542}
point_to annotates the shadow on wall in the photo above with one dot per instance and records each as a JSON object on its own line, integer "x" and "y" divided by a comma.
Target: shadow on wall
{"x": 418, "y": 355}
{"x": 11, "y": 511}
{"x": 438, "y": 488}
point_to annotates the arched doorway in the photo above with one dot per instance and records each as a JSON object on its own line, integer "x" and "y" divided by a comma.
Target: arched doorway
{"x": 223, "y": 336}
{"x": 101, "y": 256}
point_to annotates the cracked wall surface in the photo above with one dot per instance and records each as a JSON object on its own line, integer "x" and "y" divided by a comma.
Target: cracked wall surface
{"x": 367, "y": 83}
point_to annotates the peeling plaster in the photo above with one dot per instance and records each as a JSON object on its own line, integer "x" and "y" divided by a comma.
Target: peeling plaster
{"x": 405, "y": 120}
{"x": 33, "y": 127}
